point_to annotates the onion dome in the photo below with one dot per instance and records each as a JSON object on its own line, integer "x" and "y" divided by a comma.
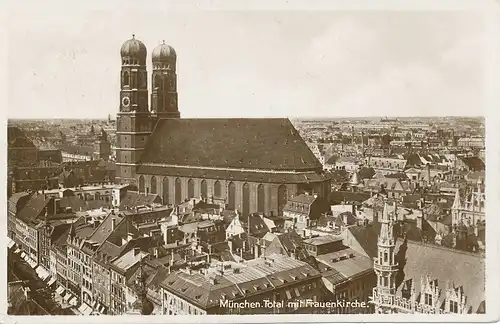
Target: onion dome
{"x": 164, "y": 52}
{"x": 146, "y": 307}
{"x": 134, "y": 49}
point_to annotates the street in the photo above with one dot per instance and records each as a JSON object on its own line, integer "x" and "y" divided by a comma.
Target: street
{"x": 40, "y": 294}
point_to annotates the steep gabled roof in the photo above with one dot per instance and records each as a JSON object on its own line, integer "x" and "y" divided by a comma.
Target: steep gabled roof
{"x": 462, "y": 269}
{"x": 267, "y": 143}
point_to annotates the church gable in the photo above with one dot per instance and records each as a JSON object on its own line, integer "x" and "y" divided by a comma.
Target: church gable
{"x": 272, "y": 144}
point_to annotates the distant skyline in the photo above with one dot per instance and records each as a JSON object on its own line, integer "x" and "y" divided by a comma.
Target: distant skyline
{"x": 254, "y": 63}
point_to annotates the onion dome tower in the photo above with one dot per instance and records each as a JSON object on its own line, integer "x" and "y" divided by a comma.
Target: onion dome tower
{"x": 164, "y": 80}
{"x": 134, "y": 123}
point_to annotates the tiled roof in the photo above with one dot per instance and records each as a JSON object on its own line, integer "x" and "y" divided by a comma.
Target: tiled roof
{"x": 73, "y": 202}
{"x": 134, "y": 199}
{"x": 129, "y": 259}
{"x": 325, "y": 239}
{"x": 367, "y": 237}
{"x": 303, "y": 199}
{"x": 104, "y": 230}
{"x": 33, "y": 208}
{"x": 265, "y": 143}
{"x": 347, "y": 262}
{"x": 447, "y": 266}
{"x": 76, "y": 149}
{"x": 474, "y": 163}
{"x": 14, "y": 201}
{"x": 60, "y": 237}
{"x": 366, "y": 173}
{"x": 255, "y": 276}
{"x": 291, "y": 241}
{"x": 258, "y": 227}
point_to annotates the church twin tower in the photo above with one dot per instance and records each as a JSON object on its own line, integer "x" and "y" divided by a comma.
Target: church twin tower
{"x": 135, "y": 120}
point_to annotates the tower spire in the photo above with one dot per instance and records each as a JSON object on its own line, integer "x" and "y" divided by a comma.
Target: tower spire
{"x": 385, "y": 264}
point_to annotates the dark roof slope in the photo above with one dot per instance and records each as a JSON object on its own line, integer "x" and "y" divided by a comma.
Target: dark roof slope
{"x": 33, "y": 208}
{"x": 266, "y": 143}
{"x": 473, "y": 163}
{"x": 134, "y": 199}
{"x": 445, "y": 265}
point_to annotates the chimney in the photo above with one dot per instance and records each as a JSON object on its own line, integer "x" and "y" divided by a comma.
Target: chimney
{"x": 354, "y": 209}
{"x": 155, "y": 252}
{"x": 113, "y": 224}
{"x": 137, "y": 250}
{"x": 256, "y": 251}
{"x": 171, "y": 263}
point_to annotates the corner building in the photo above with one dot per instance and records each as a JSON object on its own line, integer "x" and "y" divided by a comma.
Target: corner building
{"x": 252, "y": 164}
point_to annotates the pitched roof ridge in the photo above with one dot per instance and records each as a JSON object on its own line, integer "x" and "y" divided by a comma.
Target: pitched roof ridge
{"x": 444, "y": 248}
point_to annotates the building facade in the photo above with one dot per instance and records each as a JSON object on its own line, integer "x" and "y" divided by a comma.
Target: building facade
{"x": 417, "y": 277}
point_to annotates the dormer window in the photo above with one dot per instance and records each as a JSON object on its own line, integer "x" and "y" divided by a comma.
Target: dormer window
{"x": 428, "y": 299}
{"x": 453, "y": 307}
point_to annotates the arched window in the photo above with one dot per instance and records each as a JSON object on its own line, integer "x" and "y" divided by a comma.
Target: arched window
{"x": 126, "y": 78}
{"x": 157, "y": 81}
{"x": 165, "y": 191}
{"x": 231, "y": 196}
{"x": 204, "y": 189}
{"x": 190, "y": 188}
{"x": 178, "y": 192}
{"x": 217, "y": 189}
{"x": 153, "y": 185}
{"x": 282, "y": 198}
{"x": 246, "y": 199}
{"x": 141, "y": 184}
{"x": 261, "y": 199}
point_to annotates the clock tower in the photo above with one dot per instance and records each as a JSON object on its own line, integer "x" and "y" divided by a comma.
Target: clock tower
{"x": 164, "y": 82}
{"x": 134, "y": 122}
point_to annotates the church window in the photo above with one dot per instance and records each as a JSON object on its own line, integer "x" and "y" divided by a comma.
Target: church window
{"x": 217, "y": 189}
{"x": 246, "y": 199}
{"x": 204, "y": 189}
{"x": 153, "y": 185}
{"x": 428, "y": 299}
{"x": 385, "y": 281}
{"x": 157, "y": 81}
{"x": 282, "y": 198}
{"x": 260, "y": 198}
{"x": 141, "y": 184}
{"x": 231, "y": 196}
{"x": 191, "y": 188}
{"x": 178, "y": 193}
{"x": 126, "y": 79}
{"x": 165, "y": 191}
{"x": 386, "y": 257}
{"x": 453, "y": 306}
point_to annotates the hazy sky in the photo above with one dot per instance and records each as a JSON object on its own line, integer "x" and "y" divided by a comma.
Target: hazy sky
{"x": 253, "y": 63}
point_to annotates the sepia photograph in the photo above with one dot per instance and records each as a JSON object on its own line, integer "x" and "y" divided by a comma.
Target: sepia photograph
{"x": 245, "y": 162}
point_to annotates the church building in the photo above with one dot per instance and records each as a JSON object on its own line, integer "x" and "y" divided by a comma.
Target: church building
{"x": 252, "y": 164}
